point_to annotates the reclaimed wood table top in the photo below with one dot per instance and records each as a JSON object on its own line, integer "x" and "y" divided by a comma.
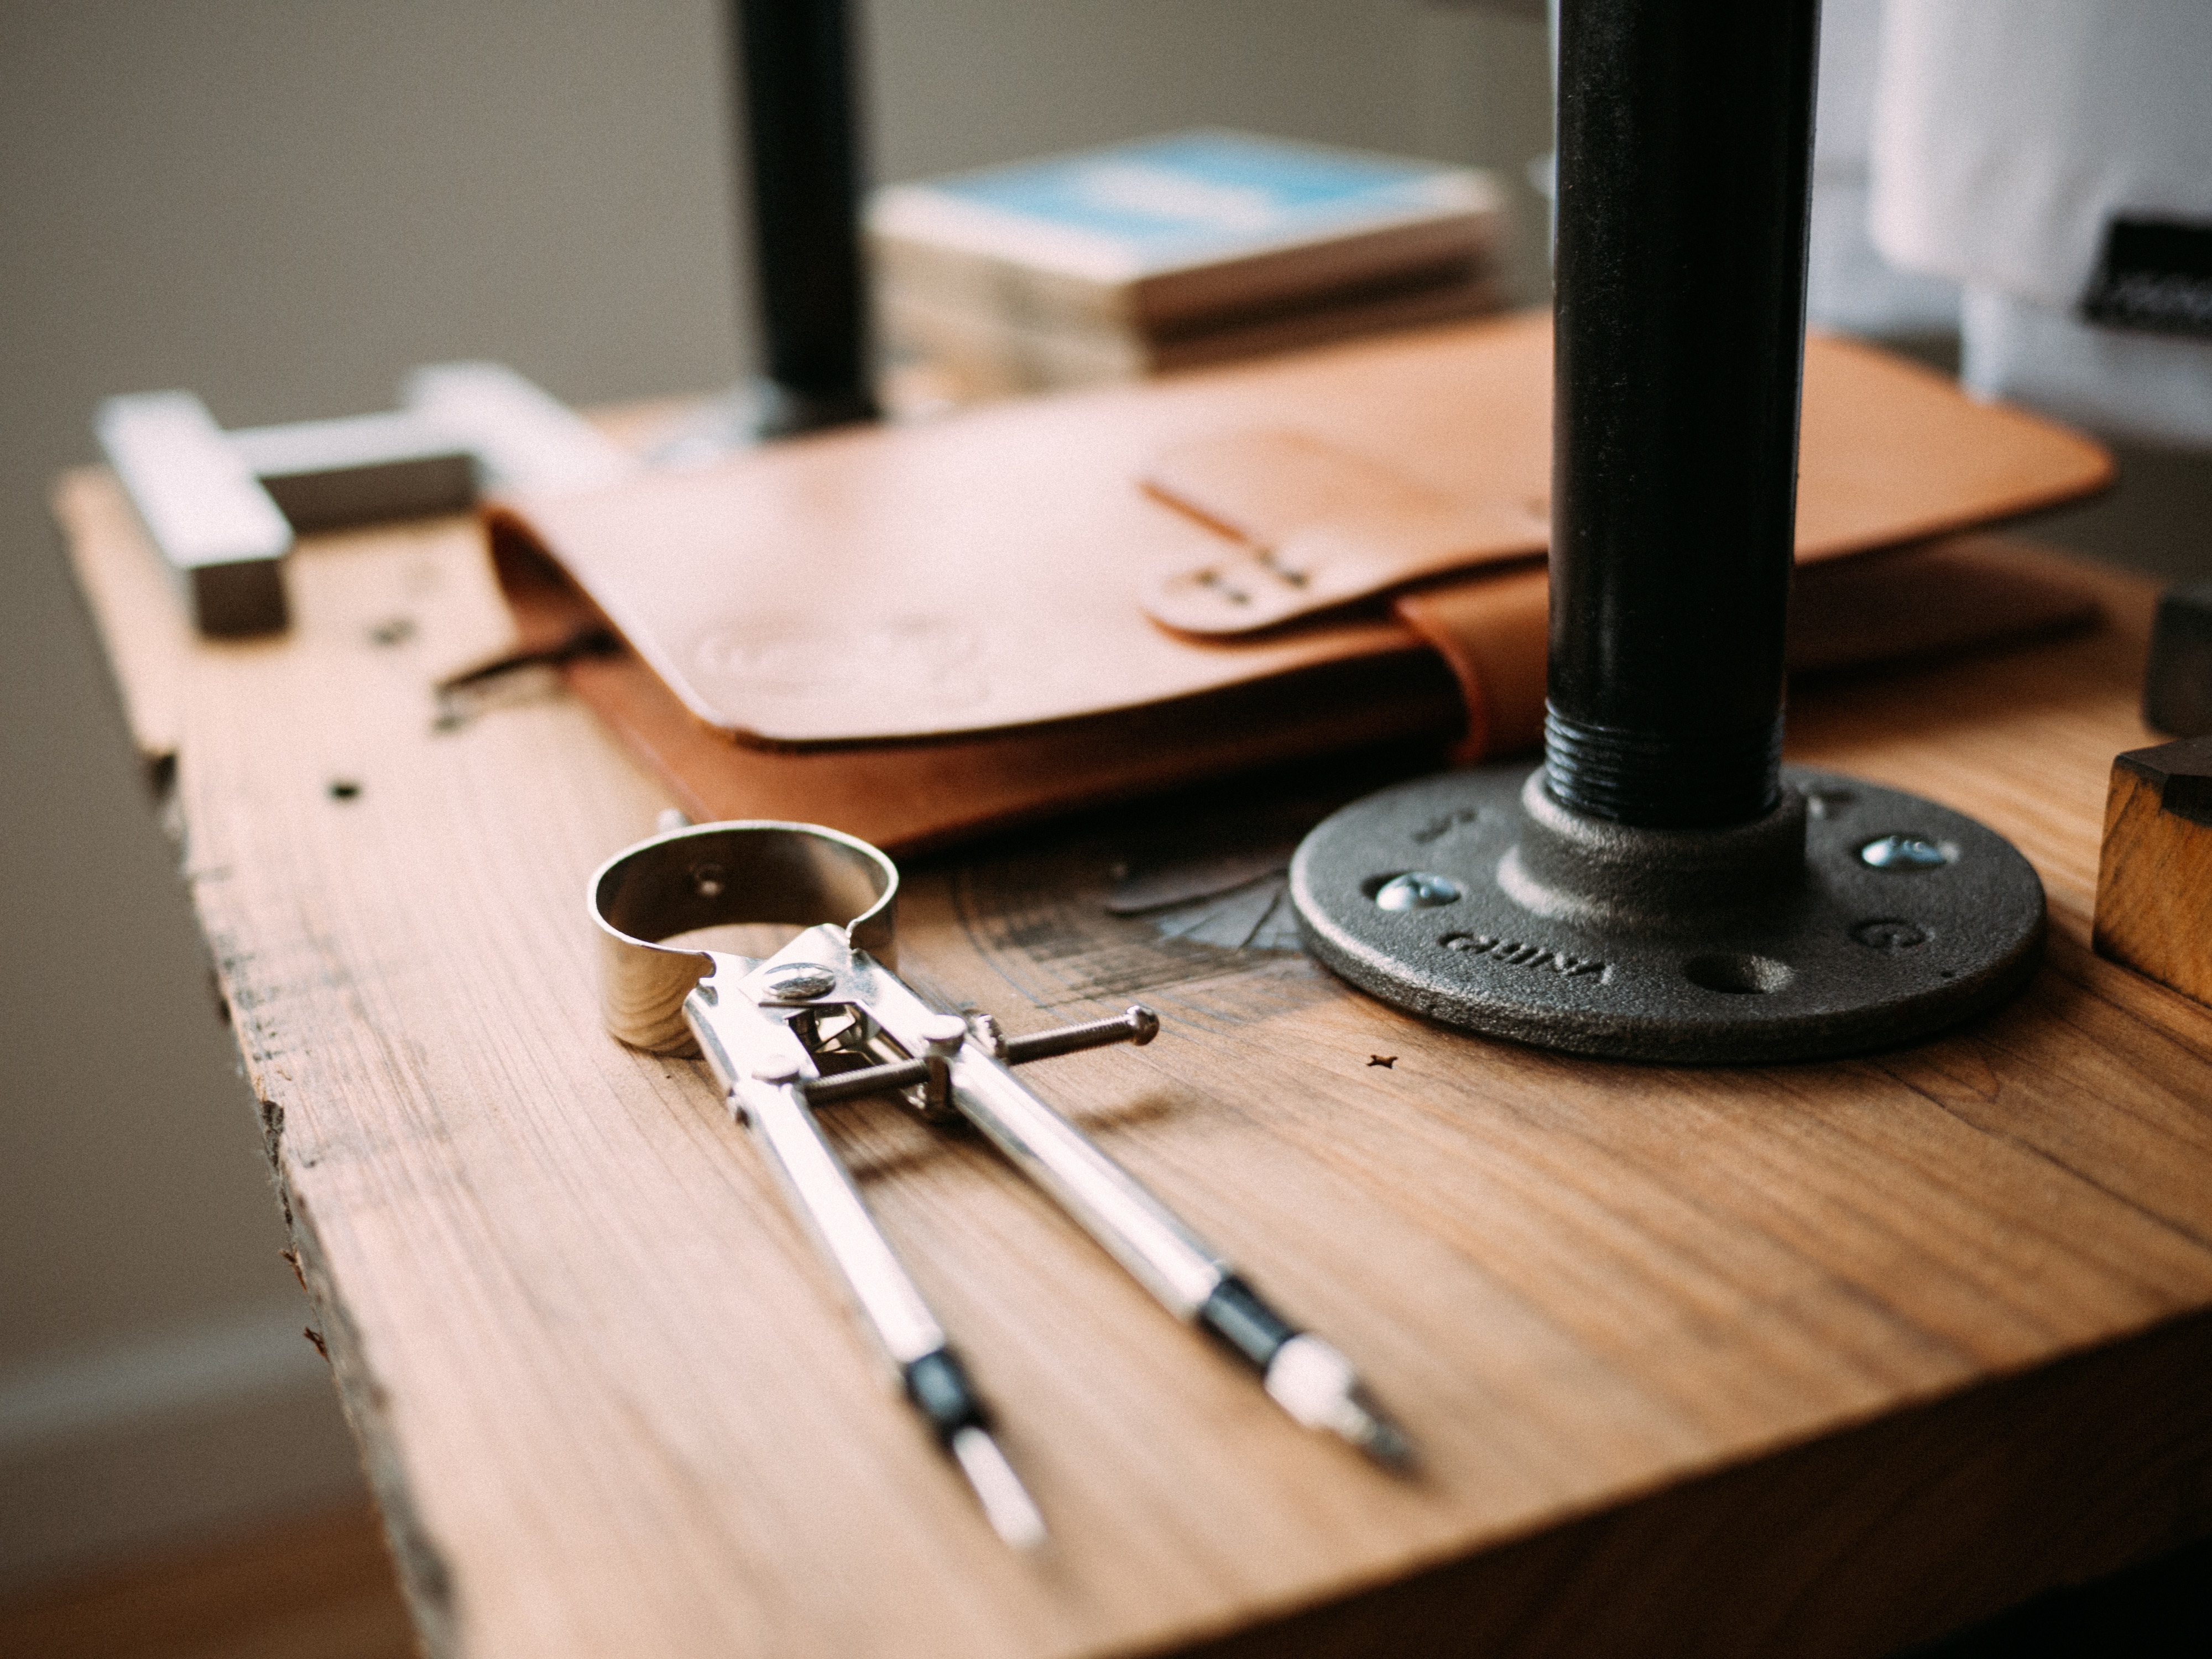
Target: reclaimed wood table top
{"x": 1811, "y": 1359}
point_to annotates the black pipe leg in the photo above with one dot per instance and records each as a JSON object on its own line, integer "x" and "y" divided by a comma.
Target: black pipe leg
{"x": 795, "y": 70}
{"x": 1685, "y": 148}
{"x": 1662, "y": 888}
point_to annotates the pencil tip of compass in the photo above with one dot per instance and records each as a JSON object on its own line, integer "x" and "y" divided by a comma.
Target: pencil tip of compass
{"x": 1006, "y": 1503}
{"x": 1378, "y": 1437}
{"x": 1316, "y": 1385}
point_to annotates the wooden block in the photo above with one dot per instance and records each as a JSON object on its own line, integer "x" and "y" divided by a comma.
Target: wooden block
{"x": 2154, "y": 879}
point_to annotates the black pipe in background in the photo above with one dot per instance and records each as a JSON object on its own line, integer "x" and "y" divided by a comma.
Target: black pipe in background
{"x": 1684, "y": 159}
{"x": 795, "y": 68}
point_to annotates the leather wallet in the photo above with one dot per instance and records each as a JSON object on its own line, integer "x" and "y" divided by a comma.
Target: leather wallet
{"x": 916, "y": 632}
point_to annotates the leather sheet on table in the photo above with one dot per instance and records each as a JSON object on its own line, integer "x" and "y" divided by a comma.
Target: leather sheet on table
{"x": 916, "y": 632}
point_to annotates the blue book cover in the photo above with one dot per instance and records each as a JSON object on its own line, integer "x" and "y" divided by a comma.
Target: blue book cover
{"x": 1130, "y": 210}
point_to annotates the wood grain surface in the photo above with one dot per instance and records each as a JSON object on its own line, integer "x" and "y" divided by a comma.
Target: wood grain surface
{"x": 1810, "y": 1359}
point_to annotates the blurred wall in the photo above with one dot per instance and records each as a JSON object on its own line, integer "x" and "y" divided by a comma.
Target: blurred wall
{"x": 281, "y": 206}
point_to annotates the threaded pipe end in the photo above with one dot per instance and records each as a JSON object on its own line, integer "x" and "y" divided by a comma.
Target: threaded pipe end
{"x": 1655, "y": 782}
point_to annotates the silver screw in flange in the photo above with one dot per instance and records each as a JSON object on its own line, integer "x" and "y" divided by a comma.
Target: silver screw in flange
{"x": 800, "y": 981}
{"x": 1905, "y": 853}
{"x": 1417, "y": 890}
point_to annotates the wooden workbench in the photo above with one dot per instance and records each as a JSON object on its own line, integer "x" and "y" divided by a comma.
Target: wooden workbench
{"x": 1812, "y": 1360}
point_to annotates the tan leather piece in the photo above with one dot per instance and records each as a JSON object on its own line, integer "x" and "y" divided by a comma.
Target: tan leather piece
{"x": 971, "y": 574}
{"x": 1488, "y": 628}
{"x": 910, "y": 798}
{"x": 979, "y": 572}
{"x": 1891, "y": 452}
{"x": 1931, "y": 601}
{"x": 1316, "y": 527}
{"x": 1259, "y": 486}
{"x": 1491, "y": 630}
{"x": 907, "y": 797}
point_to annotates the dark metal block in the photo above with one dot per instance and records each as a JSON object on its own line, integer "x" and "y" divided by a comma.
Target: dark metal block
{"x": 2178, "y": 685}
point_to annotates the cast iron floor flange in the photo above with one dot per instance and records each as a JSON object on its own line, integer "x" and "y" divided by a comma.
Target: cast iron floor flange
{"x": 1424, "y": 896}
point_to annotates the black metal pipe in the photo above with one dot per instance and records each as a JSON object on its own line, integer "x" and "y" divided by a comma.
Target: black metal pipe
{"x": 1685, "y": 155}
{"x": 795, "y": 67}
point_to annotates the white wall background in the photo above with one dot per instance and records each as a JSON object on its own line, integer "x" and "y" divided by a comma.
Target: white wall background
{"x": 282, "y": 206}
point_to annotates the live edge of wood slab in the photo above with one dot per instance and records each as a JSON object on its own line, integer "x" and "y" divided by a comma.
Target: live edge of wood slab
{"x": 1810, "y": 1360}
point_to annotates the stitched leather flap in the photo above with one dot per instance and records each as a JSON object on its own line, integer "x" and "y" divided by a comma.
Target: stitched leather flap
{"x": 1890, "y": 454}
{"x": 1318, "y": 526}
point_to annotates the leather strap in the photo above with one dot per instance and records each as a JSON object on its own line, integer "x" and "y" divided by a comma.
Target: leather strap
{"x": 1491, "y": 630}
{"x": 1314, "y": 527}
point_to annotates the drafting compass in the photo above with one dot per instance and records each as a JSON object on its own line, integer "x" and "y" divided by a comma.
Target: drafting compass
{"x": 826, "y": 1019}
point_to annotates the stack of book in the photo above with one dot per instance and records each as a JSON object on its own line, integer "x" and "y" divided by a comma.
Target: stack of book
{"x": 1115, "y": 264}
